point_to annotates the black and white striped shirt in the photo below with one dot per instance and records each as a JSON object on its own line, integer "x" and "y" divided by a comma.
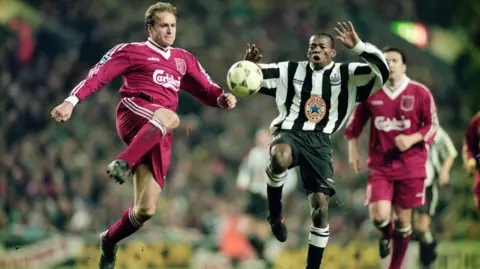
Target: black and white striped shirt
{"x": 321, "y": 100}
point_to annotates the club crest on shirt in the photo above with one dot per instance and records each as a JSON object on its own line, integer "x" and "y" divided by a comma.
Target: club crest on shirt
{"x": 335, "y": 79}
{"x": 181, "y": 65}
{"x": 407, "y": 103}
{"x": 315, "y": 108}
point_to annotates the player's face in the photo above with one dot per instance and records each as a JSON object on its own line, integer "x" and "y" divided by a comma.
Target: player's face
{"x": 395, "y": 64}
{"x": 164, "y": 30}
{"x": 320, "y": 51}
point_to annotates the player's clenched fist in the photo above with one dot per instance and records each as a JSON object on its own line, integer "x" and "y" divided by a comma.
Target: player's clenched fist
{"x": 404, "y": 142}
{"x": 62, "y": 112}
{"x": 227, "y": 100}
{"x": 470, "y": 166}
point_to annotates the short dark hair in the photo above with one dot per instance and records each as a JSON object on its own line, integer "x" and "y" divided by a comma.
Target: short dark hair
{"x": 397, "y": 50}
{"x": 329, "y": 36}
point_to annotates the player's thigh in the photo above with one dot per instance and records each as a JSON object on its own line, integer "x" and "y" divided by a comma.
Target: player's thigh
{"x": 379, "y": 195}
{"x": 167, "y": 118}
{"x": 146, "y": 189}
{"x": 130, "y": 118}
{"x": 409, "y": 193}
{"x": 422, "y": 221}
{"x": 404, "y": 215}
{"x": 316, "y": 173}
{"x": 284, "y": 149}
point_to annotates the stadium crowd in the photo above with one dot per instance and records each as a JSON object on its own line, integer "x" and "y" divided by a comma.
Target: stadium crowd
{"x": 52, "y": 175}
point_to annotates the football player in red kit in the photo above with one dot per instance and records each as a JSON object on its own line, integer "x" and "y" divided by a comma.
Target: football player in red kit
{"x": 471, "y": 154}
{"x": 403, "y": 121}
{"x": 153, "y": 72}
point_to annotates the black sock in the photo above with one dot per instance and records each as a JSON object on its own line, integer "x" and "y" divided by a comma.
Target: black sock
{"x": 318, "y": 240}
{"x": 274, "y": 192}
{"x": 274, "y": 200}
{"x": 426, "y": 237}
{"x": 427, "y": 248}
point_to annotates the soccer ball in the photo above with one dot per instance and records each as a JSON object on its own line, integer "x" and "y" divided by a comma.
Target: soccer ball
{"x": 244, "y": 78}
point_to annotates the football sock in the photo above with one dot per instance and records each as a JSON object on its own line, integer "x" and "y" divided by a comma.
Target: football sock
{"x": 385, "y": 227}
{"x": 274, "y": 191}
{"x": 317, "y": 240}
{"x": 426, "y": 237}
{"x": 128, "y": 224}
{"x": 401, "y": 238}
{"x": 148, "y": 136}
{"x": 427, "y": 248}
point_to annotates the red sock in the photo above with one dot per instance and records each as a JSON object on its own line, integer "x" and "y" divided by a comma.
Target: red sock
{"x": 401, "y": 238}
{"x": 127, "y": 225}
{"x": 146, "y": 138}
{"x": 386, "y": 228}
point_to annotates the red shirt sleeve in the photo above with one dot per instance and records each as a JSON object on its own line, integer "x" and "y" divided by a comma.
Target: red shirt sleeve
{"x": 199, "y": 84}
{"x": 471, "y": 137}
{"x": 112, "y": 64}
{"x": 428, "y": 117}
{"x": 357, "y": 121}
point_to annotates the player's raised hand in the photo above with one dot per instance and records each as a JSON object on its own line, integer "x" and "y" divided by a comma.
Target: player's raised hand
{"x": 62, "y": 112}
{"x": 346, "y": 34}
{"x": 470, "y": 166}
{"x": 252, "y": 54}
{"x": 227, "y": 100}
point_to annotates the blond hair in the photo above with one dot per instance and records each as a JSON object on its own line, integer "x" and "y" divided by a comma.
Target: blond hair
{"x": 158, "y": 7}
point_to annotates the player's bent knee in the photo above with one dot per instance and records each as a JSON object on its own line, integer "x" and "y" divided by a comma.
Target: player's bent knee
{"x": 281, "y": 157}
{"x": 422, "y": 223}
{"x": 380, "y": 212}
{"x": 167, "y": 117}
{"x": 145, "y": 211}
{"x": 400, "y": 223}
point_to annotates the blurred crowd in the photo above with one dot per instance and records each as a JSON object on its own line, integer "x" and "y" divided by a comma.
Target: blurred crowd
{"x": 52, "y": 175}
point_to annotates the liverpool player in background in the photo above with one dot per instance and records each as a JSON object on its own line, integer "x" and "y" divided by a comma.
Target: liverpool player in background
{"x": 403, "y": 119}
{"x": 471, "y": 154}
{"x": 153, "y": 72}
{"x": 441, "y": 155}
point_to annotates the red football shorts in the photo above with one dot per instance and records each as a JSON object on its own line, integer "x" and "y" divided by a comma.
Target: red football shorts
{"x": 132, "y": 114}
{"x": 476, "y": 190}
{"x": 407, "y": 193}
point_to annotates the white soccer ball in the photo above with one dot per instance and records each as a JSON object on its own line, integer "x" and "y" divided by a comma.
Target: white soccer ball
{"x": 244, "y": 78}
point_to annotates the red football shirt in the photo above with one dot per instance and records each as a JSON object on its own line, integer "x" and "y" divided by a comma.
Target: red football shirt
{"x": 472, "y": 137}
{"x": 147, "y": 67}
{"x": 407, "y": 110}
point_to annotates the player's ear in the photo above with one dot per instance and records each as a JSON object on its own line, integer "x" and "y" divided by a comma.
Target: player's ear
{"x": 334, "y": 53}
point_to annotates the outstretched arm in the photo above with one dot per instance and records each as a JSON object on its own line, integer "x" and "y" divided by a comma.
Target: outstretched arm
{"x": 112, "y": 64}
{"x": 199, "y": 84}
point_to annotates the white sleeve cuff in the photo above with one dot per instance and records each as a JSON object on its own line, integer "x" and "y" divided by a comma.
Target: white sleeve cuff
{"x": 360, "y": 47}
{"x": 73, "y": 100}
